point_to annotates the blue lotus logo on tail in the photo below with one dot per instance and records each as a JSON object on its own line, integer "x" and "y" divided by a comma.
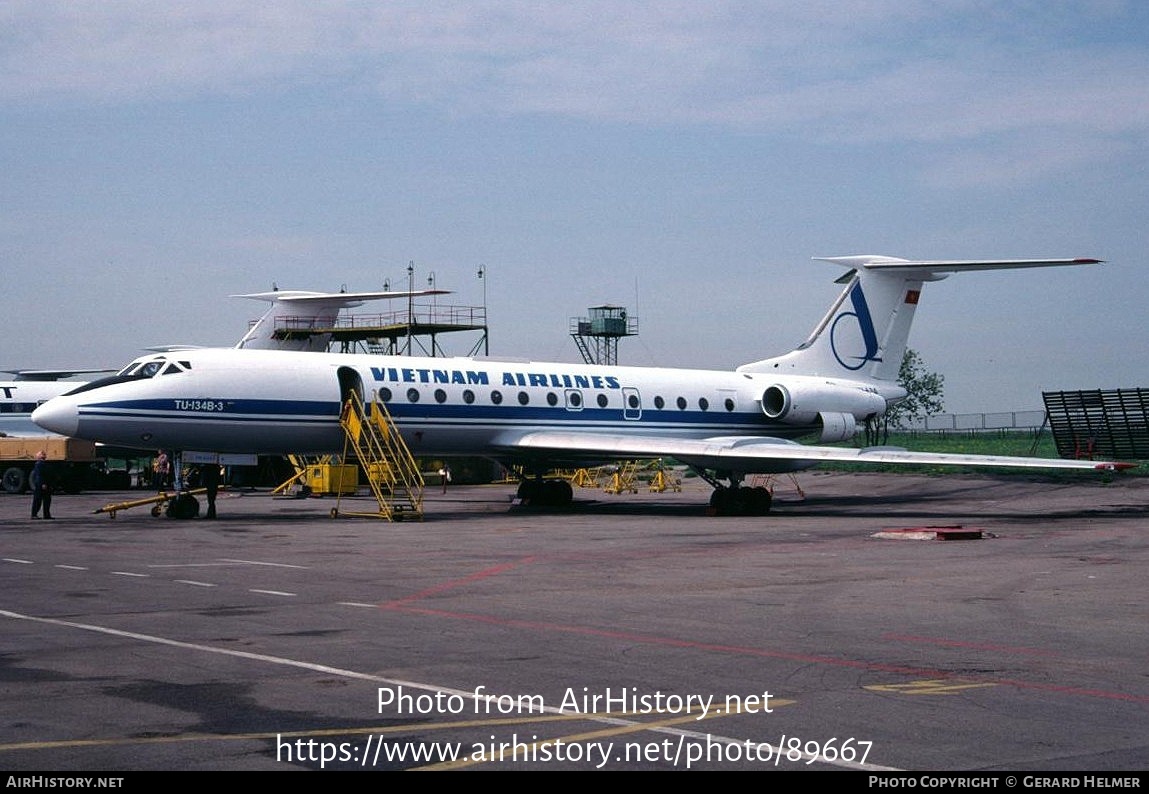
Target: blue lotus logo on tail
{"x": 854, "y": 342}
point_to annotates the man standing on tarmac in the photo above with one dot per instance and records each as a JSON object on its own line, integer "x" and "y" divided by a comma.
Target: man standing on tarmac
{"x": 42, "y": 484}
{"x": 209, "y": 479}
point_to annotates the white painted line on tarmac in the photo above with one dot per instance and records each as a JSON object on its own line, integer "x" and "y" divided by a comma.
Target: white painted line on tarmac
{"x": 352, "y": 674}
{"x": 270, "y": 564}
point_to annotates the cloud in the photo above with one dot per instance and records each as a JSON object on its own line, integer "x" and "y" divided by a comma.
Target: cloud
{"x": 878, "y": 72}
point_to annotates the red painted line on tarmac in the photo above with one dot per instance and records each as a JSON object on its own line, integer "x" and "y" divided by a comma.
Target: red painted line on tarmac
{"x": 449, "y": 585}
{"x": 741, "y": 650}
{"x": 977, "y": 646}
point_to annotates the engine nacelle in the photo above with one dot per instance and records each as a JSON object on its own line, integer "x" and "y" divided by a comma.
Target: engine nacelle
{"x": 825, "y": 403}
{"x": 837, "y": 427}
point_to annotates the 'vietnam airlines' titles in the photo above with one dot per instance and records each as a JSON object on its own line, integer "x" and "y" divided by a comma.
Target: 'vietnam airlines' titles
{"x": 479, "y": 377}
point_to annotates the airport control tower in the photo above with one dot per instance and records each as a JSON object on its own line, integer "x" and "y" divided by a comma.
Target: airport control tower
{"x": 597, "y": 335}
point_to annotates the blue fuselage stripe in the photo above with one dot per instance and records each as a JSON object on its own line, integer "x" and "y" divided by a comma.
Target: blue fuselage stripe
{"x": 321, "y": 412}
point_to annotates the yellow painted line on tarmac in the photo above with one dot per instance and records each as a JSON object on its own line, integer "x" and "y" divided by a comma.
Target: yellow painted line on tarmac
{"x": 629, "y": 727}
{"x": 325, "y": 732}
{"x": 929, "y": 687}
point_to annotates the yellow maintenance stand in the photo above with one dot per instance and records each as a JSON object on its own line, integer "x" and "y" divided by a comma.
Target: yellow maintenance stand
{"x": 624, "y": 478}
{"x": 584, "y": 478}
{"x": 664, "y": 479}
{"x": 392, "y": 473}
{"x": 321, "y": 476}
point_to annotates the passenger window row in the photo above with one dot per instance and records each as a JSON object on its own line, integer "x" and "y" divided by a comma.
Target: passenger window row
{"x": 574, "y": 399}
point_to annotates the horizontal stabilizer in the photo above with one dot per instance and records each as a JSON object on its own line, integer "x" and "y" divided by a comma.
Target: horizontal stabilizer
{"x": 342, "y": 299}
{"x": 933, "y": 269}
{"x": 865, "y": 332}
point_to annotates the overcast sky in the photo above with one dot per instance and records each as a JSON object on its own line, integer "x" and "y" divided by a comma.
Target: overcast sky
{"x": 682, "y": 159}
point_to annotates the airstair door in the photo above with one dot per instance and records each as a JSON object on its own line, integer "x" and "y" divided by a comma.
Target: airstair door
{"x": 350, "y": 381}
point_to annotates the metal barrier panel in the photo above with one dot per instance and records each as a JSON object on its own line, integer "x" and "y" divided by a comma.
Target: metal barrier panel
{"x": 1100, "y": 423}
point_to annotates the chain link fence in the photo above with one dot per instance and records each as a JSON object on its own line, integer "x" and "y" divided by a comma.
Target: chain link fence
{"x": 1002, "y": 421}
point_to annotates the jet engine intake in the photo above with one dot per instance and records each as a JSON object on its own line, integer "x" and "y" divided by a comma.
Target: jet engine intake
{"x": 807, "y": 403}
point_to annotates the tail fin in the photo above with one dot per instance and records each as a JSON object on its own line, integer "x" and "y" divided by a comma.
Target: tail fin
{"x": 865, "y": 332}
{"x": 298, "y": 320}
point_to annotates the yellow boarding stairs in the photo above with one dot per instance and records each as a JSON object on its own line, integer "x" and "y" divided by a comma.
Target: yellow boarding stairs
{"x": 373, "y": 440}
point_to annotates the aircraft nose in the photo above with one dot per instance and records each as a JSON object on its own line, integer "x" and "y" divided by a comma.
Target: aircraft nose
{"x": 58, "y": 416}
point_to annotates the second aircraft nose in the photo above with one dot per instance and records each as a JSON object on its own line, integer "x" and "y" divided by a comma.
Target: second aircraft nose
{"x": 58, "y": 415}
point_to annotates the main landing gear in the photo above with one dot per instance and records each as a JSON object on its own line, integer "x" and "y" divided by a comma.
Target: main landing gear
{"x": 537, "y": 492}
{"x": 736, "y": 499}
{"x": 740, "y": 500}
{"x": 733, "y": 499}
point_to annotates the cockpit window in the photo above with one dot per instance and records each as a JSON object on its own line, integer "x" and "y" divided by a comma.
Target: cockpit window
{"x": 137, "y": 370}
{"x": 143, "y": 369}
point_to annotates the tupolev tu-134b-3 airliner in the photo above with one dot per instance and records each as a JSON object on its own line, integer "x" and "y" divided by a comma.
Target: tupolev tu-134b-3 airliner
{"x": 538, "y": 416}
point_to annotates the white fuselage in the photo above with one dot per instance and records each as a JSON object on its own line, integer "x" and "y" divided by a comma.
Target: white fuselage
{"x": 274, "y": 402}
{"x": 19, "y": 398}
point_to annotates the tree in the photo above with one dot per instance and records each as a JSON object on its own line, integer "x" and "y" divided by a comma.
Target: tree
{"x": 923, "y": 398}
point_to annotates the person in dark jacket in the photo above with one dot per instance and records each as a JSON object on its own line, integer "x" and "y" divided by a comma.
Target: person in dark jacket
{"x": 209, "y": 479}
{"x": 42, "y": 484}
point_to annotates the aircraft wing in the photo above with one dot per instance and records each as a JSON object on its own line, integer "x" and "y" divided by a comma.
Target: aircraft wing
{"x": 762, "y": 454}
{"x": 51, "y": 374}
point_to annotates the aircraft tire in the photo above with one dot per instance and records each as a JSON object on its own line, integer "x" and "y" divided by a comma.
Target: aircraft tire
{"x": 545, "y": 493}
{"x": 741, "y": 501}
{"x": 560, "y": 493}
{"x": 183, "y": 507}
{"x": 761, "y": 500}
{"x": 720, "y": 501}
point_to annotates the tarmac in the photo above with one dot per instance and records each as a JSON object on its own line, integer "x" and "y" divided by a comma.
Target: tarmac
{"x": 630, "y": 631}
